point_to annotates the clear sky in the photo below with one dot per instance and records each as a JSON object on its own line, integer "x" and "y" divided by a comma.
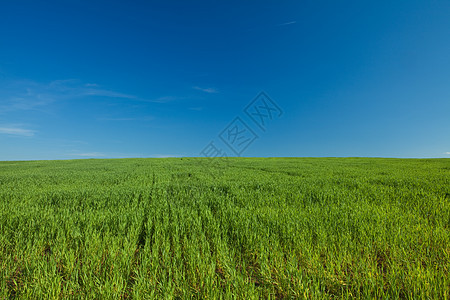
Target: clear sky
{"x": 83, "y": 79}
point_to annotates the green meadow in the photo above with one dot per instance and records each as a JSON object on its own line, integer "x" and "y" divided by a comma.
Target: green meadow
{"x": 241, "y": 228}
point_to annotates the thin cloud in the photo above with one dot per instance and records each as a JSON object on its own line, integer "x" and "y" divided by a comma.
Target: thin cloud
{"x": 88, "y": 154}
{"x": 105, "y": 93}
{"x": 73, "y": 87}
{"x": 448, "y": 153}
{"x": 164, "y": 99}
{"x": 287, "y": 23}
{"x": 81, "y": 154}
{"x": 126, "y": 119}
{"x": 26, "y": 102}
{"x": 27, "y": 95}
{"x": 269, "y": 26}
{"x": 117, "y": 119}
{"x": 206, "y": 90}
{"x": 30, "y": 95}
{"x": 166, "y": 155}
{"x": 16, "y": 131}
{"x": 196, "y": 108}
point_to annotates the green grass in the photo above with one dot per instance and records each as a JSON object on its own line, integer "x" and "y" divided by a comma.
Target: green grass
{"x": 247, "y": 229}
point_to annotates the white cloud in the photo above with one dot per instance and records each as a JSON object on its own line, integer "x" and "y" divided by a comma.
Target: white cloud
{"x": 166, "y": 155}
{"x": 206, "y": 90}
{"x": 199, "y": 108}
{"x": 117, "y": 119}
{"x": 104, "y": 93}
{"x": 30, "y": 95}
{"x": 287, "y": 23}
{"x": 448, "y": 153}
{"x": 269, "y": 26}
{"x": 16, "y": 131}
{"x": 149, "y": 118}
{"x": 163, "y": 99}
{"x": 88, "y": 154}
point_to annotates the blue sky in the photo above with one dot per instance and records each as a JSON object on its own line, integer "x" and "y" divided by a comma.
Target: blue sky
{"x": 91, "y": 79}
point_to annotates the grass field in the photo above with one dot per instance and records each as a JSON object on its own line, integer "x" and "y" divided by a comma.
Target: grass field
{"x": 247, "y": 229}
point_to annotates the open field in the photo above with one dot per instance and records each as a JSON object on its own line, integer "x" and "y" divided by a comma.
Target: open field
{"x": 248, "y": 229}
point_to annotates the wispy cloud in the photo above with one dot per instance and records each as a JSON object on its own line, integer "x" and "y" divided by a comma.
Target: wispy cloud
{"x": 30, "y": 95}
{"x": 25, "y": 102}
{"x": 117, "y": 119}
{"x": 448, "y": 153}
{"x": 27, "y": 95}
{"x": 206, "y": 90}
{"x": 17, "y": 131}
{"x": 271, "y": 26}
{"x": 196, "y": 108}
{"x": 88, "y": 154}
{"x": 166, "y": 155}
{"x": 164, "y": 99}
{"x": 287, "y": 23}
{"x": 105, "y": 93}
{"x": 91, "y": 84}
{"x": 81, "y": 154}
{"x": 126, "y": 119}
{"x": 74, "y": 88}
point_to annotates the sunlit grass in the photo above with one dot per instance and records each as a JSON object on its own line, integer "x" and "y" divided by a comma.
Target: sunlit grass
{"x": 245, "y": 229}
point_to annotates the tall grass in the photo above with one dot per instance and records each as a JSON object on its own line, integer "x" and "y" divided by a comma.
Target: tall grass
{"x": 253, "y": 228}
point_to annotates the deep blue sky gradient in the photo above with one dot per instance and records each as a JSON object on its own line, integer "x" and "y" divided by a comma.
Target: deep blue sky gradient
{"x": 83, "y": 79}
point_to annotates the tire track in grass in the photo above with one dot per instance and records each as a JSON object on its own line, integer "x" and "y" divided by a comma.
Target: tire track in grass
{"x": 140, "y": 243}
